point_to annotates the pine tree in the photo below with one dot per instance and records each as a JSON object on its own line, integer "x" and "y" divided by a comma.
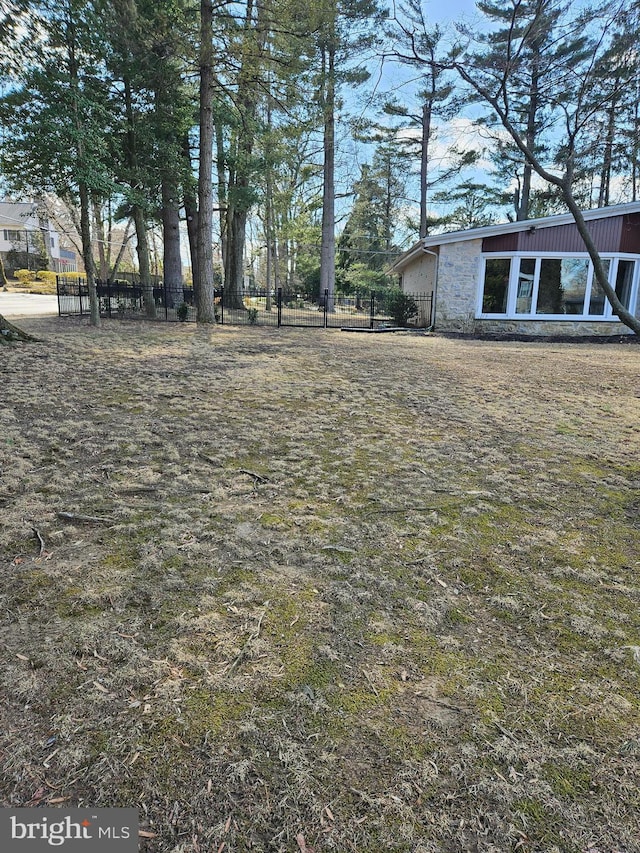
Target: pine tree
{"x": 521, "y": 46}
{"x": 56, "y": 116}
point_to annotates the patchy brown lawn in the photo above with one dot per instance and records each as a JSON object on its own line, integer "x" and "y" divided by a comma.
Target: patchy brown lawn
{"x": 340, "y": 592}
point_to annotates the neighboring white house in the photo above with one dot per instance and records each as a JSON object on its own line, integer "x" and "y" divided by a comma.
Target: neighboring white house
{"x": 25, "y": 235}
{"x": 531, "y": 277}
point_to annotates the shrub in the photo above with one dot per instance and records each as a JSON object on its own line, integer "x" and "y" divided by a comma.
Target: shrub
{"x": 401, "y": 307}
{"x": 182, "y": 311}
{"x": 25, "y": 276}
{"x": 252, "y": 316}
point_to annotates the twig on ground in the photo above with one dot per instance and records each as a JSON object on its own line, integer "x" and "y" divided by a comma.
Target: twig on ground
{"x": 504, "y": 731}
{"x": 243, "y": 651}
{"x": 209, "y": 459}
{"x": 40, "y": 540}
{"x": 258, "y": 477}
{"x": 441, "y": 703}
{"x": 89, "y": 519}
{"x": 402, "y": 509}
{"x": 371, "y": 684}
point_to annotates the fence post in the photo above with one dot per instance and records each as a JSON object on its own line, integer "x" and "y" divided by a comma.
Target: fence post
{"x": 372, "y": 308}
{"x": 80, "y": 296}
{"x": 58, "y": 293}
{"x": 326, "y": 307}
{"x": 109, "y": 298}
{"x": 279, "y": 301}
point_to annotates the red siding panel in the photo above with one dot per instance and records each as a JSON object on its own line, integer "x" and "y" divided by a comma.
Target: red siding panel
{"x": 615, "y": 234}
{"x": 501, "y": 243}
{"x": 630, "y": 238}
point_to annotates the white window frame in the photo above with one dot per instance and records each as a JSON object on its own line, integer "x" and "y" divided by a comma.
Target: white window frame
{"x": 14, "y": 235}
{"x": 515, "y": 257}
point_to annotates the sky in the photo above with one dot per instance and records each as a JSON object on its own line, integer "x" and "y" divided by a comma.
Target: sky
{"x": 447, "y": 11}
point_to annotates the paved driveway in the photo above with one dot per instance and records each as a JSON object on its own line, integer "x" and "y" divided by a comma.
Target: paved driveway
{"x": 27, "y": 305}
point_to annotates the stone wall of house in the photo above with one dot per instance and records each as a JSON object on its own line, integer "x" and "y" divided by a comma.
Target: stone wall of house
{"x": 458, "y": 274}
{"x": 549, "y": 328}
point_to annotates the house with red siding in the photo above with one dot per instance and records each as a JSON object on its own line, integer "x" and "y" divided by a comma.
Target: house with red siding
{"x": 528, "y": 278}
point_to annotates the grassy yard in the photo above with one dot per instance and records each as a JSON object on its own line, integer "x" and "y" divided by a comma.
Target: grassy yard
{"x": 296, "y": 590}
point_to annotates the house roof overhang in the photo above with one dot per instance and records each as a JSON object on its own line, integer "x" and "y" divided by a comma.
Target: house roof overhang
{"x": 432, "y": 242}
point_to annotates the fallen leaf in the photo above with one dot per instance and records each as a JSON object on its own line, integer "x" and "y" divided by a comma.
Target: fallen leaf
{"x": 100, "y": 686}
{"x": 143, "y": 833}
{"x": 22, "y": 657}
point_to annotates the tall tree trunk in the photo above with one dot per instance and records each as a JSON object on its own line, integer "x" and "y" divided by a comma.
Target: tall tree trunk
{"x": 173, "y": 283}
{"x": 239, "y": 179}
{"x": 87, "y": 253}
{"x": 269, "y": 238}
{"x": 113, "y": 271}
{"x": 328, "y": 246}
{"x": 190, "y": 201}
{"x": 522, "y": 211}
{"x": 144, "y": 262}
{"x": 205, "y": 285}
{"x": 222, "y": 194}
{"x": 137, "y": 213}
{"x": 424, "y": 164}
{"x": 607, "y": 159}
{"x": 234, "y": 273}
{"x": 103, "y": 263}
{"x": 83, "y": 189}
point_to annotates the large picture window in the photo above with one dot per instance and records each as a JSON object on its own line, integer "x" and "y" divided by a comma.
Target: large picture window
{"x": 496, "y": 285}
{"x": 553, "y": 287}
{"x": 562, "y": 286}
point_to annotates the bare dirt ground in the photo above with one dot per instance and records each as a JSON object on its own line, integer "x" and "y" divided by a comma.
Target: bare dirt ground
{"x": 302, "y": 590}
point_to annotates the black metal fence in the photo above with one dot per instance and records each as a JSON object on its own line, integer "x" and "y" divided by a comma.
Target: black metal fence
{"x": 123, "y": 299}
{"x": 254, "y": 308}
